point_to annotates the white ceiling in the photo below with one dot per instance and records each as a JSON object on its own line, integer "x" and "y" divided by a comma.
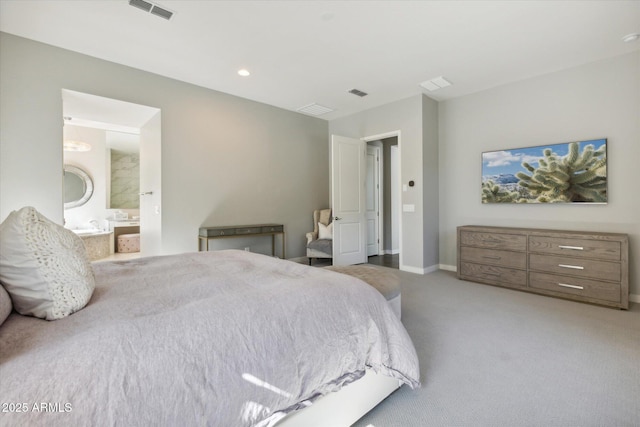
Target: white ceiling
{"x": 303, "y": 52}
{"x": 82, "y": 109}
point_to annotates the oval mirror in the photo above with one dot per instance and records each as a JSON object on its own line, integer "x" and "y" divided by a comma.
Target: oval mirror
{"x": 78, "y": 187}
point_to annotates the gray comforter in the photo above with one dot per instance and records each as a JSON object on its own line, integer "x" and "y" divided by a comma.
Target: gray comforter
{"x": 226, "y": 338}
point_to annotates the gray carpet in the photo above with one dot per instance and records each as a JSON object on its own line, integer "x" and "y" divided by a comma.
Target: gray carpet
{"x": 496, "y": 357}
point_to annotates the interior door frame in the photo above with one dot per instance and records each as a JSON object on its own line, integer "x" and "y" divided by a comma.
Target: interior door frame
{"x": 379, "y": 182}
{"x": 380, "y": 136}
{"x": 150, "y": 234}
{"x": 394, "y": 196}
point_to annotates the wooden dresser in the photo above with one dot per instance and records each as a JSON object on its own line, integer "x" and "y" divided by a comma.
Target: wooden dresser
{"x": 582, "y": 266}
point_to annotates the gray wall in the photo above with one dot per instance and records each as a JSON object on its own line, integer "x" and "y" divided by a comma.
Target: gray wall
{"x": 430, "y": 183}
{"x": 406, "y": 116}
{"x": 225, "y": 160}
{"x": 597, "y": 100}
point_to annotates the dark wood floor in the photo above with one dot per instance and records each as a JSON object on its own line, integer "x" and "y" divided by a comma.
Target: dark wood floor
{"x": 391, "y": 261}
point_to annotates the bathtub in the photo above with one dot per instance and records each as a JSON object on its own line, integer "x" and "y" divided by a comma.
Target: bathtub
{"x": 90, "y": 232}
{"x": 96, "y": 241}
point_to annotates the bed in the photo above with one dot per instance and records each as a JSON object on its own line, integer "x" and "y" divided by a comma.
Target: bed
{"x": 226, "y": 338}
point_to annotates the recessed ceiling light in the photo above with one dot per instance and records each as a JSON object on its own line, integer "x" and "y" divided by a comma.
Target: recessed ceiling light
{"x": 244, "y": 72}
{"x": 631, "y": 37}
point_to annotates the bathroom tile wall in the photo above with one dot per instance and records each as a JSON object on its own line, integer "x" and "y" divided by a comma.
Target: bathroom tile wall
{"x": 125, "y": 180}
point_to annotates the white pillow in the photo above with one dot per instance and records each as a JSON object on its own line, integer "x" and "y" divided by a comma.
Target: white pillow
{"x": 325, "y": 231}
{"x": 43, "y": 266}
{"x": 5, "y": 305}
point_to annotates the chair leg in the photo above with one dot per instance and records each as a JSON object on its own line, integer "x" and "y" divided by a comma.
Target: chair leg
{"x": 309, "y": 261}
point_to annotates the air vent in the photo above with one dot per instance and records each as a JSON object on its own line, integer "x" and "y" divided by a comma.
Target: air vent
{"x": 162, "y": 13}
{"x": 314, "y": 109}
{"x": 152, "y": 8}
{"x": 435, "y": 84}
{"x": 141, "y": 4}
{"x": 358, "y": 93}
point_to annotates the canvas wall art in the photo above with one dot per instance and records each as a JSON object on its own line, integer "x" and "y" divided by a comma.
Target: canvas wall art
{"x": 574, "y": 172}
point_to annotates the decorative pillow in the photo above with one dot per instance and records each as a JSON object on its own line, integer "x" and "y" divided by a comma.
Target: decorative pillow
{"x": 325, "y": 231}
{"x": 325, "y": 216}
{"x": 5, "y": 305}
{"x": 43, "y": 266}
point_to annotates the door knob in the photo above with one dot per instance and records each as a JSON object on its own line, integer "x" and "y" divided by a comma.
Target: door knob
{"x": 146, "y": 193}
{"x": 337, "y": 218}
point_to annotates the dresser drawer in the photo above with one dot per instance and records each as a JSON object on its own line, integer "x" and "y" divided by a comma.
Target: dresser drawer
{"x": 511, "y": 242}
{"x": 248, "y": 230}
{"x": 583, "y": 248}
{"x": 592, "y": 269}
{"x": 494, "y": 257}
{"x": 575, "y": 286}
{"x": 493, "y": 274}
{"x": 272, "y": 228}
{"x": 215, "y": 232}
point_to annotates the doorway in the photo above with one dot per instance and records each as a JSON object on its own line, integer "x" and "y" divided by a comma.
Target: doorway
{"x": 101, "y": 119}
{"x": 349, "y": 201}
{"x": 383, "y": 191}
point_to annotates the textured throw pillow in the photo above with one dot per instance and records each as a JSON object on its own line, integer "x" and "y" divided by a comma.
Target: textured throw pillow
{"x": 5, "y": 305}
{"x": 325, "y": 231}
{"x": 43, "y": 266}
{"x": 325, "y": 216}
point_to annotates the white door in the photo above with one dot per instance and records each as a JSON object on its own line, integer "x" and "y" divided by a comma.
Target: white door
{"x": 348, "y": 175}
{"x": 373, "y": 200}
{"x": 150, "y": 188}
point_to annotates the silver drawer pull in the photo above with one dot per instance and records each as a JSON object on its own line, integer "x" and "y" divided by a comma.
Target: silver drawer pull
{"x": 575, "y": 248}
{"x": 491, "y": 257}
{"x": 575, "y": 267}
{"x": 564, "y": 285}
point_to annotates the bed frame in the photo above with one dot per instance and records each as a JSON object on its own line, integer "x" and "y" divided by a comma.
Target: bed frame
{"x": 346, "y": 406}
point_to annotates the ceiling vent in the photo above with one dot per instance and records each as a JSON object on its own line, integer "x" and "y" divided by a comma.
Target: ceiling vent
{"x": 435, "y": 84}
{"x": 152, "y": 8}
{"x": 314, "y": 109}
{"x": 358, "y": 93}
{"x": 162, "y": 13}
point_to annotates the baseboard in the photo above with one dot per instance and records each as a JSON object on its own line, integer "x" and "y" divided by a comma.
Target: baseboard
{"x": 391, "y": 251}
{"x": 410, "y": 269}
{"x": 431, "y": 269}
{"x": 418, "y": 270}
{"x": 634, "y": 298}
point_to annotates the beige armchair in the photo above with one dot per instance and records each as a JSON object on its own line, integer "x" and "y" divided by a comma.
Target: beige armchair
{"x": 320, "y": 247}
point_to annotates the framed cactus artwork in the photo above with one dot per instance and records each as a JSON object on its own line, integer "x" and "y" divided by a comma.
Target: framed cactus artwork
{"x": 574, "y": 172}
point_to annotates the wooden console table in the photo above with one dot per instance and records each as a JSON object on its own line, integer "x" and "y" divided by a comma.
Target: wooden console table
{"x": 207, "y": 233}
